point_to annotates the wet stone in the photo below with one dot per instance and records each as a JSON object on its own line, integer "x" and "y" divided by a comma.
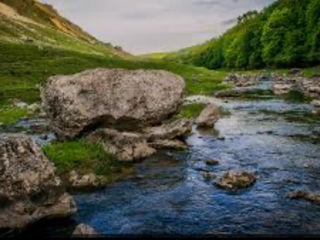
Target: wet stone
{"x": 208, "y": 175}
{"x": 233, "y": 180}
{"x": 299, "y": 194}
{"x": 212, "y": 162}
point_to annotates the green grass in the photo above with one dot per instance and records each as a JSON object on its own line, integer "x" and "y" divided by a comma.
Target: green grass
{"x": 158, "y": 56}
{"x": 9, "y": 116}
{"x": 23, "y": 67}
{"x": 310, "y": 72}
{"x": 191, "y": 111}
{"x": 82, "y": 156}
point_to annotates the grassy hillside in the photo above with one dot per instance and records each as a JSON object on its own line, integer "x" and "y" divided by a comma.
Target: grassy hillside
{"x": 36, "y": 43}
{"x": 285, "y": 34}
{"x": 24, "y": 66}
{"x": 32, "y": 22}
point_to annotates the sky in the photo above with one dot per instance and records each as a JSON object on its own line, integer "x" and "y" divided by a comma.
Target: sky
{"x": 144, "y": 26}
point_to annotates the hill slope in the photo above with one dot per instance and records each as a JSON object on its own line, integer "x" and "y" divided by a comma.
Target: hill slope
{"x": 285, "y": 34}
{"x": 29, "y": 21}
{"x": 36, "y": 42}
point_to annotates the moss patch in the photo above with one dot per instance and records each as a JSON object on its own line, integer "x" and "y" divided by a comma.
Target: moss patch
{"x": 82, "y": 156}
{"x": 191, "y": 111}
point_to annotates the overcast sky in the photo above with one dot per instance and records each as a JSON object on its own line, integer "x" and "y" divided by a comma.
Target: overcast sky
{"x": 142, "y": 26}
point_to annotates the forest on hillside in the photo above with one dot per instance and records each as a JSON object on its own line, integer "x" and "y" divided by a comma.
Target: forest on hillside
{"x": 285, "y": 34}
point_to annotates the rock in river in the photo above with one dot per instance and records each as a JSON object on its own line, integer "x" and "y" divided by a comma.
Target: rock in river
{"x": 233, "y": 180}
{"x": 131, "y": 146}
{"x": 126, "y": 146}
{"x": 316, "y": 106}
{"x": 83, "y": 230}
{"x": 121, "y": 99}
{"x": 84, "y": 181}
{"x": 208, "y": 116}
{"x": 312, "y": 197}
{"x": 212, "y": 162}
{"x": 29, "y": 189}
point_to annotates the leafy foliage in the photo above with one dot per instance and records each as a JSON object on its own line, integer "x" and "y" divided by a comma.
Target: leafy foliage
{"x": 285, "y": 34}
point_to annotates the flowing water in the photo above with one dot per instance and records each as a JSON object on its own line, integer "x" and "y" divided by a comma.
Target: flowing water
{"x": 167, "y": 193}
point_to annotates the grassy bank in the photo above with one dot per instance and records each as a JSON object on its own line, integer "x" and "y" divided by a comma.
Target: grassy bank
{"x": 81, "y": 156}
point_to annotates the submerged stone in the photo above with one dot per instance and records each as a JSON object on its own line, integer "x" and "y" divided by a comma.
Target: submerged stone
{"x": 312, "y": 197}
{"x": 233, "y": 180}
{"x": 208, "y": 175}
{"x": 212, "y": 162}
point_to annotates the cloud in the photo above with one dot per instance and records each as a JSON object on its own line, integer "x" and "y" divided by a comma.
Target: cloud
{"x": 141, "y": 26}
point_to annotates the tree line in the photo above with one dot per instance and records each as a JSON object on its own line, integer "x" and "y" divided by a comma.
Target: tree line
{"x": 285, "y": 34}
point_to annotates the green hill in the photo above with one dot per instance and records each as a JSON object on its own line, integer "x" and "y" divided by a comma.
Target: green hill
{"x": 36, "y": 42}
{"x": 285, "y": 34}
{"x": 32, "y": 22}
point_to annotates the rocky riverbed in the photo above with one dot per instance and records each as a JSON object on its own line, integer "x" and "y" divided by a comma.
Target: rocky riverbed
{"x": 169, "y": 192}
{"x": 269, "y": 146}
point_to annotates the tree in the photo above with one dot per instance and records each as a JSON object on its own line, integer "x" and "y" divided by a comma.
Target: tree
{"x": 273, "y": 35}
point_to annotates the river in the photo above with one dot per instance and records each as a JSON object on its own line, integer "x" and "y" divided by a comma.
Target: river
{"x": 167, "y": 193}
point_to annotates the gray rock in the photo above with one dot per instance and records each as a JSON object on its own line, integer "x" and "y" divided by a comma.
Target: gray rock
{"x": 29, "y": 189}
{"x": 295, "y": 71}
{"x": 126, "y": 100}
{"x": 83, "y": 230}
{"x": 316, "y": 106}
{"x": 126, "y": 146}
{"x": 169, "y": 144}
{"x": 208, "y": 116}
{"x": 171, "y": 130}
{"x": 131, "y": 146}
{"x": 233, "y": 180}
{"x": 312, "y": 197}
{"x": 243, "y": 80}
{"x": 84, "y": 181}
{"x": 19, "y": 104}
{"x": 310, "y": 87}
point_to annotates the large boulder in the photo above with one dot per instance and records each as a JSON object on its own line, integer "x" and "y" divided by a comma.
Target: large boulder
{"x": 29, "y": 189}
{"x": 121, "y": 99}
